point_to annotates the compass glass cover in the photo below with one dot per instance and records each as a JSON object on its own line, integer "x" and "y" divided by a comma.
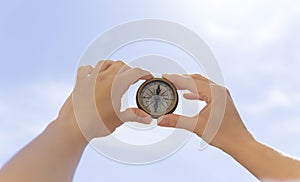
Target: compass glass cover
{"x": 157, "y": 97}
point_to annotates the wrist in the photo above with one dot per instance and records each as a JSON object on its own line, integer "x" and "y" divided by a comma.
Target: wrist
{"x": 69, "y": 126}
{"x": 238, "y": 145}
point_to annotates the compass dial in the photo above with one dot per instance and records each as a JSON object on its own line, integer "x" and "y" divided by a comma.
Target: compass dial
{"x": 157, "y": 97}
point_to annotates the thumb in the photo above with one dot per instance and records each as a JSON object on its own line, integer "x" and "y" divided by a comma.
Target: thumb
{"x": 178, "y": 121}
{"x": 135, "y": 114}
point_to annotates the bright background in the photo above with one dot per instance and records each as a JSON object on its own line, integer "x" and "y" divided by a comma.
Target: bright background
{"x": 256, "y": 43}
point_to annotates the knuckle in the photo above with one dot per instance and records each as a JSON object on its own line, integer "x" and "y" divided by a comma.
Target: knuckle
{"x": 101, "y": 61}
{"x": 120, "y": 62}
{"x": 194, "y": 75}
{"x": 125, "y": 67}
{"x": 199, "y": 76}
{"x": 104, "y": 62}
{"x": 138, "y": 71}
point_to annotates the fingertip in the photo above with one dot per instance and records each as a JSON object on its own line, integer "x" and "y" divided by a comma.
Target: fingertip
{"x": 148, "y": 76}
{"x": 160, "y": 119}
{"x": 137, "y": 112}
{"x": 141, "y": 113}
{"x": 146, "y": 120}
{"x": 163, "y": 121}
{"x": 136, "y": 115}
{"x": 166, "y": 76}
{"x": 191, "y": 96}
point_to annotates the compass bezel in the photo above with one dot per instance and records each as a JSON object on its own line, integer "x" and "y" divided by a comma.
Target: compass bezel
{"x": 170, "y": 109}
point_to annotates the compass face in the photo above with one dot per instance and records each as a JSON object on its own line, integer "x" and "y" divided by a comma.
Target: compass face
{"x": 157, "y": 97}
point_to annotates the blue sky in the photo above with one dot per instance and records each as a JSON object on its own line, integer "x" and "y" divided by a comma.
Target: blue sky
{"x": 256, "y": 44}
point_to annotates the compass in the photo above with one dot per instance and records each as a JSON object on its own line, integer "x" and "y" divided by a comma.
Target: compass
{"x": 157, "y": 97}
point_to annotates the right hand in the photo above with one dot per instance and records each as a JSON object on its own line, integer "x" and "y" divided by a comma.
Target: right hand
{"x": 231, "y": 130}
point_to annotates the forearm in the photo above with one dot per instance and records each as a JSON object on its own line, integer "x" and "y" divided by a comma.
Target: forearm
{"x": 52, "y": 156}
{"x": 264, "y": 162}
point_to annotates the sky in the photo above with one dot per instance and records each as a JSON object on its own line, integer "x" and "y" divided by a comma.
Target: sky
{"x": 255, "y": 42}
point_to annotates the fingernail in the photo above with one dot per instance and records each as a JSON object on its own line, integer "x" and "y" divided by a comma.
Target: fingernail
{"x": 163, "y": 121}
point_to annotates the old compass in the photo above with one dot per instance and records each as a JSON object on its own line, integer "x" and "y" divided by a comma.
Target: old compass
{"x": 157, "y": 97}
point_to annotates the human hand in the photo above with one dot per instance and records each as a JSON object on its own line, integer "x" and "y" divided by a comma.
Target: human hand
{"x": 96, "y": 99}
{"x": 229, "y": 133}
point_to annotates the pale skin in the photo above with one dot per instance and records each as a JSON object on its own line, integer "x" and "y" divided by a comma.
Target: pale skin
{"x": 56, "y": 152}
{"x": 232, "y": 137}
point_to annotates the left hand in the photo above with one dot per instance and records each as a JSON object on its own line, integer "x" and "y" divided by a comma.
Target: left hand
{"x": 96, "y": 99}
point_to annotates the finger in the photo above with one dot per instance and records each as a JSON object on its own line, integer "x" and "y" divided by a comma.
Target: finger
{"x": 84, "y": 71}
{"x": 115, "y": 67}
{"x": 147, "y": 77}
{"x": 195, "y": 96}
{"x": 130, "y": 77}
{"x": 182, "y": 82}
{"x": 191, "y": 96}
{"x": 136, "y": 74}
{"x": 178, "y": 121}
{"x": 199, "y": 87}
{"x": 124, "y": 68}
{"x": 136, "y": 115}
{"x": 199, "y": 77}
{"x": 102, "y": 66}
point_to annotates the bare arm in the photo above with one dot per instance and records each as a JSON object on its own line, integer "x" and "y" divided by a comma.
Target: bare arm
{"x": 54, "y": 155}
{"x": 232, "y": 136}
{"x": 264, "y": 162}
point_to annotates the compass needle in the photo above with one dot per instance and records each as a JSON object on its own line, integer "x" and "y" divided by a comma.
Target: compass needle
{"x": 157, "y": 97}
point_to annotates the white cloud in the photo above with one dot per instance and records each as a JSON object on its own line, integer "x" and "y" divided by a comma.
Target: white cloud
{"x": 220, "y": 32}
{"x": 287, "y": 128}
{"x": 275, "y": 98}
{"x": 254, "y": 23}
{"x": 2, "y": 108}
{"x": 39, "y": 100}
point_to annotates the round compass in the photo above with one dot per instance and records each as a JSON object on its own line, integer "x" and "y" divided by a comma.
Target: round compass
{"x": 157, "y": 97}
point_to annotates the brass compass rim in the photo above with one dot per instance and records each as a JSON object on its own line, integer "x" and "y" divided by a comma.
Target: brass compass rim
{"x": 170, "y": 109}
